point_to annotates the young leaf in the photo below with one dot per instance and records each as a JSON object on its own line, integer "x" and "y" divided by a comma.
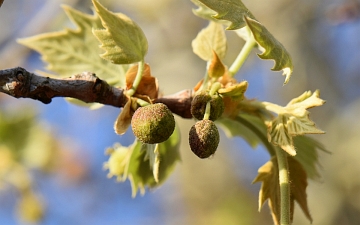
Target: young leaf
{"x": 293, "y": 120}
{"x": 273, "y": 49}
{"x": 69, "y": 52}
{"x": 141, "y": 168}
{"x": 212, "y": 38}
{"x": 230, "y": 10}
{"x": 216, "y": 67}
{"x": 268, "y": 174}
{"x": 123, "y": 40}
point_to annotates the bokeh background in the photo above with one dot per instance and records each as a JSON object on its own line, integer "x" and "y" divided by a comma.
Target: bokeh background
{"x": 323, "y": 39}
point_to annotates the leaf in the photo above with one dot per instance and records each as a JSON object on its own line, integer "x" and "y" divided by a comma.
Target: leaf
{"x": 268, "y": 174}
{"x": 141, "y": 168}
{"x": 122, "y": 39}
{"x": 69, "y": 52}
{"x": 293, "y": 120}
{"x": 148, "y": 85}
{"x": 273, "y": 49}
{"x": 216, "y": 67}
{"x": 233, "y": 127}
{"x": 212, "y": 38}
{"x": 230, "y": 10}
{"x": 235, "y": 91}
{"x": 307, "y": 154}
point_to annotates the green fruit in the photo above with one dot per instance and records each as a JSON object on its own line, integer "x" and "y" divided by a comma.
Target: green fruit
{"x": 153, "y": 123}
{"x": 198, "y": 106}
{"x": 204, "y": 138}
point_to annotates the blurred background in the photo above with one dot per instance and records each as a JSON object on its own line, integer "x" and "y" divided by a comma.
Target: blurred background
{"x": 62, "y": 145}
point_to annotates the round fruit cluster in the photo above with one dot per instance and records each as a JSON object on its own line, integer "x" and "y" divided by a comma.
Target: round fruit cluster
{"x": 153, "y": 123}
{"x": 204, "y": 136}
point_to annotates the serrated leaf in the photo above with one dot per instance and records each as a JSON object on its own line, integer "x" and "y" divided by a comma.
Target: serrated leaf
{"x": 141, "y": 168}
{"x": 293, "y": 120}
{"x": 123, "y": 40}
{"x": 273, "y": 49}
{"x": 230, "y": 10}
{"x": 268, "y": 174}
{"x": 212, "y": 38}
{"x": 69, "y": 52}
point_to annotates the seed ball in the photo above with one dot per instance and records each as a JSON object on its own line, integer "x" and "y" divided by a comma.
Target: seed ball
{"x": 153, "y": 123}
{"x": 198, "y": 106}
{"x": 204, "y": 138}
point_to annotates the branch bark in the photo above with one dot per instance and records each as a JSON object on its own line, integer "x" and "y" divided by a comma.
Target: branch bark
{"x": 86, "y": 86}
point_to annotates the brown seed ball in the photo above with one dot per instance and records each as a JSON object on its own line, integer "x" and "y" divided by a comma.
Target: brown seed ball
{"x": 153, "y": 123}
{"x": 204, "y": 138}
{"x": 198, "y": 106}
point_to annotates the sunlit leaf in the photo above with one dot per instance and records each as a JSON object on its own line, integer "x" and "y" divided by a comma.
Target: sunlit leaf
{"x": 69, "y": 52}
{"x": 268, "y": 174}
{"x": 212, "y": 38}
{"x": 230, "y": 10}
{"x": 235, "y": 91}
{"x": 273, "y": 49}
{"x": 136, "y": 164}
{"x": 122, "y": 39}
{"x": 293, "y": 120}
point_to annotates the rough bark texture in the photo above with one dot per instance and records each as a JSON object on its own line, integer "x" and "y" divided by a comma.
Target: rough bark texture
{"x": 20, "y": 83}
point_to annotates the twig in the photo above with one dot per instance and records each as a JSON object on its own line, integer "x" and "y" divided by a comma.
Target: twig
{"x": 20, "y": 83}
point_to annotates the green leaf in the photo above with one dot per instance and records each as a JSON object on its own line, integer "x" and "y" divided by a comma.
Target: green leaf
{"x": 293, "y": 120}
{"x": 273, "y": 49}
{"x": 212, "y": 38}
{"x": 268, "y": 174}
{"x": 230, "y": 10}
{"x": 122, "y": 39}
{"x": 307, "y": 154}
{"x": 144, "y": 165}
{"x": 70, "y": 52}
{"x": 233, "y": 128}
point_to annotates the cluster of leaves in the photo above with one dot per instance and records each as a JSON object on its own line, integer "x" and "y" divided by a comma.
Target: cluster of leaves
{"x": 123, "y": 43}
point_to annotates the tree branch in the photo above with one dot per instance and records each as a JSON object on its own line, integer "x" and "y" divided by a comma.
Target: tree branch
{"x": 20, "y": 83}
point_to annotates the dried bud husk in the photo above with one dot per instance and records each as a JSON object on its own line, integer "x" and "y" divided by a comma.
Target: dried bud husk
{"x": 198, "y": 106}
{"x": 204, "y": 138}
{"x": 153, "y": 123}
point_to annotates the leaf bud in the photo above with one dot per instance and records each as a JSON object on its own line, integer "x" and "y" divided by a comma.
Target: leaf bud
{"x": 153, "y": 123}
{"x": 204, "y": 138}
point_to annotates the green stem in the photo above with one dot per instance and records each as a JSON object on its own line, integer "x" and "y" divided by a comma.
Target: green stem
{"x": 244, "y": 53}
{"x": 141, "y": 66}
{"x": 207, "y": 111}
{"x": 214, "y": 88}
{"x": 284, "y": 181}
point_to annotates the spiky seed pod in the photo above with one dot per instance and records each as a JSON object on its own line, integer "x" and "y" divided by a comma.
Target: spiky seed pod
{"x": 198, "y": 106}
{"x": 153, "y": 123}
{"x": 204, "y": 138}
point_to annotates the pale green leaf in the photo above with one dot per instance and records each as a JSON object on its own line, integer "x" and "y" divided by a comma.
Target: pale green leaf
{"x": 307, "y": 154}
{"x": 268, "y": 174}
{"x": 230, "y": 10}
{"x": 212, "y": 38}
{"x": 123, "y": 40}
{"x": 293, "y": 120}
{"x": 70, "y": 52}
{"x": 144, "y": 165}
{"x": 273, "y": 49}
{"x": 235, "y": 127}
